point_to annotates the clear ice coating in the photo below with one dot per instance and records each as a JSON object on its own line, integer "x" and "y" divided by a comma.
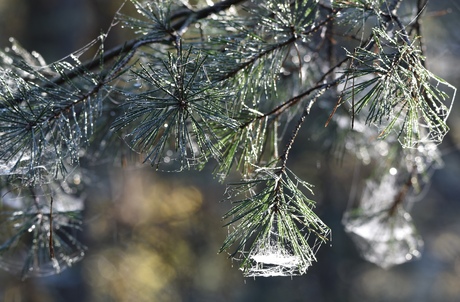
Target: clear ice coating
{"x": 383, "y": 235}
{"x": 35, "y": 240}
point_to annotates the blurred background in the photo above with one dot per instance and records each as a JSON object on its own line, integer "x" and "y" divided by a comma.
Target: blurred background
{"x": 154, "y": 236}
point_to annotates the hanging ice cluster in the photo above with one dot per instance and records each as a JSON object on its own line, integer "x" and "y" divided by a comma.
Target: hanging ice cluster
{"x": 272, "y": 257}
{"x": 273, "y": 261}
{"x": 381, "y": 229}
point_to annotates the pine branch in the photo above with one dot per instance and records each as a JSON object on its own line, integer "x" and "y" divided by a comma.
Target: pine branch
{"x": 278, "y": 232}
{"x": 212, "y": 94}
{"x": 293, "y": 38}
{"x": 126, "y": 50}
{"x": 61, "y": 123}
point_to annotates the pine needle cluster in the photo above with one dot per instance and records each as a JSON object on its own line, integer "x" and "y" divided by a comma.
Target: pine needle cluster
{"x": 228, "y": 85}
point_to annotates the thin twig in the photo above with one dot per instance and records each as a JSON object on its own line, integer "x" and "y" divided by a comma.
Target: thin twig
{"x": 51, "y": 241}
{"x": 400, "y": 197}
{"x": 295, "y": 132}
{"x": 421, "y": 7}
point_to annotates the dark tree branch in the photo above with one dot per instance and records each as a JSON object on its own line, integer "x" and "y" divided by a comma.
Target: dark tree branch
{"x": 127, "y": 51}
{"x": 132, "y": 45}
{"x": 291, "y": 40}
{"x": 421, "y": 7}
